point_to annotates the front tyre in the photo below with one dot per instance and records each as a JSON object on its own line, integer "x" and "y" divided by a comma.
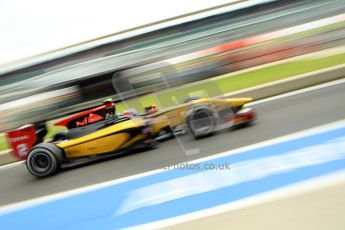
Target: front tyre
{"x": 44, "y": 160}
{"x": 201, "y": 122}
{"x": 164, "y": 134}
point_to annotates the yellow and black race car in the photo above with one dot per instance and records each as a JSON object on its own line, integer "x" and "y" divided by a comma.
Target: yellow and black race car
{"x": 203, "y": 116}
{"x": 118, "y": 134}
{"x": 92, "y": 142}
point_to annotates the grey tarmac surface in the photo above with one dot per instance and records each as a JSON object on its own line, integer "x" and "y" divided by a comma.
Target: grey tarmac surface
{"x": 275, "y": 118}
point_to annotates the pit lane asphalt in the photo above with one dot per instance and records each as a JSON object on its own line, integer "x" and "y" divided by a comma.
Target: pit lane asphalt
{"x": 275, "y": 118}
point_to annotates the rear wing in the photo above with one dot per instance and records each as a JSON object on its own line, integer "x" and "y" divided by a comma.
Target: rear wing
{"x": 22, "y": 140}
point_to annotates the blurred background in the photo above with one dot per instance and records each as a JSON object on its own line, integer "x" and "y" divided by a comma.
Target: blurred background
{"x": 64, "y": 57}
{"x": 169, "y": 53}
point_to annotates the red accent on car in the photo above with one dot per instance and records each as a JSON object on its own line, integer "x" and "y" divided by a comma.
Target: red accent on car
{"x": 246, "y": 116}
{"x": 94, "y": 118}
{"x": 82, "y": 123}
{"x": 85, "y": 114}
{"x": 22, "y": 140}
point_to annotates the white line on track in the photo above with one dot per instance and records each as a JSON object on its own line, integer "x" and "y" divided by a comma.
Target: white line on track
{"x": 4, "y": 152}
{"x": 11, "y": 165}
{"x": 300, "y": 91}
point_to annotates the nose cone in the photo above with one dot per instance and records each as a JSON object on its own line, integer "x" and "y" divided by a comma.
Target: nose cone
{"x": 238, "y": 101}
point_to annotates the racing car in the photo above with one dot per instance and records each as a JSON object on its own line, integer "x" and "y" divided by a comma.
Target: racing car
{"x": 204, "y": 116}
{"x": 92, "y": 142}
{"x": 93, "y": 139}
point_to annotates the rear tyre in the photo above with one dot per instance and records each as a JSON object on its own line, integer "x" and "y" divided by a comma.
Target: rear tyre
{"x": 44, "y": 160}
{"x": 201, "y": 122}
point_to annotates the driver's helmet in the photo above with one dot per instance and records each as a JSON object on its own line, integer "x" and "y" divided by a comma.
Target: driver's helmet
{"x": 152, "y": 109}
{"x": 109, "y": 107}
{"x": 108, "y": 102}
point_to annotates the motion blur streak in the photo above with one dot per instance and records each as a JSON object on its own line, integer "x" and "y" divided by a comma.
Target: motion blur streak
{"x": 93, "y": 68}
{"x": 273, "y": 44}
{"x": 240, "y": 172}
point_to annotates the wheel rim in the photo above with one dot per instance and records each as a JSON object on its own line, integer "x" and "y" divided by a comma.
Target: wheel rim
{"x": 202, "y": 122}
{"x": 41, "y": 162}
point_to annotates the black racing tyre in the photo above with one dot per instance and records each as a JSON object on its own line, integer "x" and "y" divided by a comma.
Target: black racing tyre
{"x": 151, "y": 145}
{"x": 201, "y": 122}
{"x": 164, "y": 134}
{"x": 44, "y": 160}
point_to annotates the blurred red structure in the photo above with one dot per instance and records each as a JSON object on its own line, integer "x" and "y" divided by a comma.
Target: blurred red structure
{"x": 22, "y": 140}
